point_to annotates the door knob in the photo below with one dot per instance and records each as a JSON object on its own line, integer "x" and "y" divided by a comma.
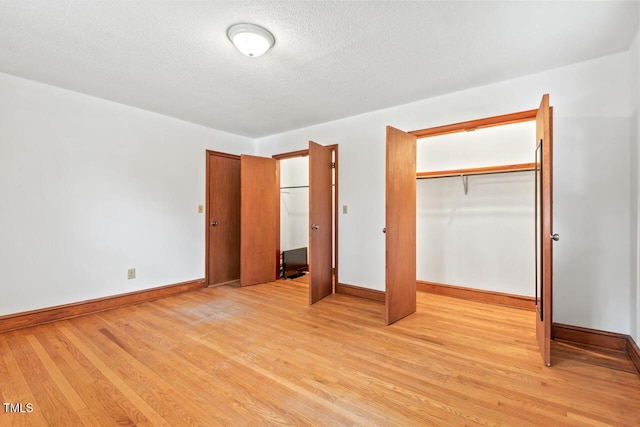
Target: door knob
{"x": 214, "y": 223}
{"x": 555, "y": 237}
{"x": 315, "y": 226}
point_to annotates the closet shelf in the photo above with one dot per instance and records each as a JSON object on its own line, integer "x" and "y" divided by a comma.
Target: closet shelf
{"x": 521, "y": 167}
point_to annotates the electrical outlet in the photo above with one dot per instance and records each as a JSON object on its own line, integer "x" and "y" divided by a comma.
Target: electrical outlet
{"x": 344, "y": 209}
{"x": 200, "y": 208}
{"x": 131, "y": 273}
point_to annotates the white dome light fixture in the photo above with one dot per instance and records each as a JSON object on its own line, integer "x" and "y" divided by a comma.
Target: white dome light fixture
{"x": 250, "y": 39}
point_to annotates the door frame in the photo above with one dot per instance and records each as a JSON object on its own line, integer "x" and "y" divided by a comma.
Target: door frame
{"x": 305, "y": 153}
{"x": 207, "y": 212}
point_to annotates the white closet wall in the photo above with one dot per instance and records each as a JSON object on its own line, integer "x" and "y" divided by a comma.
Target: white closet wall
{"x": 484, "y": 239}
{"x": 294, "y": 203}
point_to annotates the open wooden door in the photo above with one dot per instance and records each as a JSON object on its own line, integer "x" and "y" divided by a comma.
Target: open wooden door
{"x": 400, "y": 295}
{"x": 259, "y": 189}
{"x": 320, "y": 222}
{"x": 223, "y": 218}
{"x": 544, "y": 233}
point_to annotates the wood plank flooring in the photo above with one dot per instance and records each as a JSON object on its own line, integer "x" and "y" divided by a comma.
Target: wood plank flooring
{"x": 261, "y": 355}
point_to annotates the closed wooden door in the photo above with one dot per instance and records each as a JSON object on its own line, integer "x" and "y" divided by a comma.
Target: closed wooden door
{"x": 259, "y": 189}
{"x": 400, "y": 228}
{"x": 544, "y": 227}
{"x": 223, "y": 218}
{"x": 320, "y": 222}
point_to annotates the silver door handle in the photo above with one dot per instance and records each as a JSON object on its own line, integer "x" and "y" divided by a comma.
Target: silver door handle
{"x": 214, "y": 223}
{"x": 315, "y": 226}
{"x": 555, "y": 237}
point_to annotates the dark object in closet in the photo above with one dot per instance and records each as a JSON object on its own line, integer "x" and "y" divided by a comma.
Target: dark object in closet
{"x": 294, "y": 262}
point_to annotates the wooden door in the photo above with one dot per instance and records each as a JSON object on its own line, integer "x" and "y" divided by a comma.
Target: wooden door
{"x": 400, "y": 228}
{"x": 320, "y": 222}
{"x": 259, "y": 191}
{"x": 223, "y": 218}
{"x": 544, "y": 233}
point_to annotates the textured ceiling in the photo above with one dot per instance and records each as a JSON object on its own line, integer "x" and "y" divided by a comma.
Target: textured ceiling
{"x": 330, "y": 60}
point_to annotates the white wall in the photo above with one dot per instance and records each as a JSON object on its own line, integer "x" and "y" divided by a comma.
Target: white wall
{"x": 91, "y": 188}
{"x": 591, "y": 202}
{"x": 294, "y": 203}
{"x": 635, "y": 189}
{"x": 592, "y": 109}
{"x": 483, "y": 239}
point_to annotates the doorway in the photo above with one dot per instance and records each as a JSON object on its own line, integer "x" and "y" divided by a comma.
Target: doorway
{"x": 308, "y": 218}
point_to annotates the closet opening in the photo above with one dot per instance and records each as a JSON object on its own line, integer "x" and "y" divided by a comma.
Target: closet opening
{"x": 476, "y": 214}
{"x": 457, "y": 214}
{"x": 294, "y": 218}
{"x": 307, "y": 229}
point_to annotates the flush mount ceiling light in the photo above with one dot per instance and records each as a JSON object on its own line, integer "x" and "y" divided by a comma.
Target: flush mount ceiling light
{"x": 250, "y": 39}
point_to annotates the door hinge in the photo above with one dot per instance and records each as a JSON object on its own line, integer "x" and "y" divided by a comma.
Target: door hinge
{"x": 333, "y": 165}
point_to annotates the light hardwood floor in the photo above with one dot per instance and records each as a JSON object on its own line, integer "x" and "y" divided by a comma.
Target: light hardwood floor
{"x": 261, "y": 356}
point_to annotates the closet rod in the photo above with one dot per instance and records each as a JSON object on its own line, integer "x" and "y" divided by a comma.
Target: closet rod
{"x": 300, "y": 186}
{"x": 489, "y": 170}
{"x": 295, "y": 186}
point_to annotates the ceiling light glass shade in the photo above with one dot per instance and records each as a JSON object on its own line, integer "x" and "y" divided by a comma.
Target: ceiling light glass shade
{"x": 250, "y": 39}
